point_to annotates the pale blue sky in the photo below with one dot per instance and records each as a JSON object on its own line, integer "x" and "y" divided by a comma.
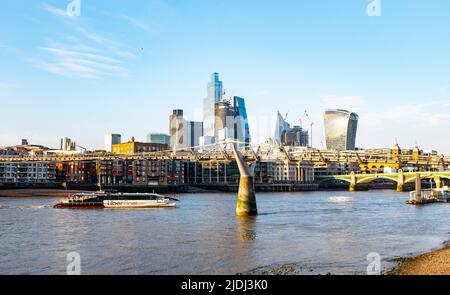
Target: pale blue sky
{"x": 122, "y": 66}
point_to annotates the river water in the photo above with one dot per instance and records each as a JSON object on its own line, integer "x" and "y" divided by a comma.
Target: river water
{"x": 313, "y": 232}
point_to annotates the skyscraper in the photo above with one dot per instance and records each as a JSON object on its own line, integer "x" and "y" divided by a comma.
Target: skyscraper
{"x": 215, "y": 92}
{"x": 68, "y": 144}
{"x": 194, "y": 133}
{"x": 178, "y": 130}
{"x": 281, "y": 127}
{"x": 223, "y": 119}
{"x": 111, "y": 139}
{"x": 340, "y": 129}
{"x": 241, "y": 126}
{"x": 183, "y": 133}
{"x": 290, "y": 136}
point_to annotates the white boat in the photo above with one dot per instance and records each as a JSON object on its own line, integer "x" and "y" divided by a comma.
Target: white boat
{"x": 131, "y": 201}
{"x": 435, "y": 195}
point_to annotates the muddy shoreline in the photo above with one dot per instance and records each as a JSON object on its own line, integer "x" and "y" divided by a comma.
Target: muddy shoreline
{"x": 435, "y": 262}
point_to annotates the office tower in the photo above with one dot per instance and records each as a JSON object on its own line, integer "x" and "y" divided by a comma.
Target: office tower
{"x": 231, "y": 121}
{"x": 178, "y": 130}
{"x": 290, "y": 136}
{"x": 224, "y": 121}
{"x": 195, "y": 132}
{"x": 281, "y": 127}
{"x": 183, "y": 133}
{"x": 214, "y": 96}
{"x": 296, "y": 136}
{"x": 111, "y": 139}
{"x": 67, "y": 144}
{"x": 340, "y": 129}
{"x": 241, "y": 125}
{"x": 160, "y": 138}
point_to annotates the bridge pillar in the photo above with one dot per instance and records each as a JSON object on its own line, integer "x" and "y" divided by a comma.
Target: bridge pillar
{"x": 418, "y": 187}
{"x": 400, "y": 181}
{"x": 246, "y": 203}
{"x": 353, "y": 181}
{"x": 438, "y": 182}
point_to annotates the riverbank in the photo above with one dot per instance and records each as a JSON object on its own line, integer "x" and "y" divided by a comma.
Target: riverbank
{"x": 433, "y": 263}
{"x": 26, "y": 193}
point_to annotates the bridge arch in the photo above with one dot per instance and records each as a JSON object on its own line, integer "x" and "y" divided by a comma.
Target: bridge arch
{"x": 369, "y": 179}
{"x": 413, "y": 178}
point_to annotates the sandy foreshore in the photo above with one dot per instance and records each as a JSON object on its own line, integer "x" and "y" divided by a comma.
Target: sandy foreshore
{"x": 433, "y": 263}
{"x": 26, "y": 193}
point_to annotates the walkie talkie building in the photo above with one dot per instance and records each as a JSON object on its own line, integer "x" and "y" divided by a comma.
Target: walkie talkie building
{"x": 340, "y": 129}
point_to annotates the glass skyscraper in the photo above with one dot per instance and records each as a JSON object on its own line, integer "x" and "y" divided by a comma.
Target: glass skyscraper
{"x": 184, "y": 134}
{"x": 215, "y": 92}
{"x": 340, "y": 129}
{"x": 241, "y": 126}
{"x": 291, "y": 136}
{"x": 281, "y": 127}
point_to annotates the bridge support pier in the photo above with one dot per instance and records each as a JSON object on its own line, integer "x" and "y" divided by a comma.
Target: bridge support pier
{"x": 353, "y": 182}
{"x": 246, "y": 203}
{"x": 418, "y": 187}
{"x": 438, "y": 182}
{"x": 400, "y": 181}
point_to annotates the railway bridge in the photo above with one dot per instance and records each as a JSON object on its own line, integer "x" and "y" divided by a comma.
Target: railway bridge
{"x": 401, "y": 178}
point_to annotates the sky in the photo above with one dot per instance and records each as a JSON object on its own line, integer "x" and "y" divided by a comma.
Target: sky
{"x": 123, "y": 66}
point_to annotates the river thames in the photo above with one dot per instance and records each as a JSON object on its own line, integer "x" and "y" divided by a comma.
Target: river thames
{"x": 312, "y": 232}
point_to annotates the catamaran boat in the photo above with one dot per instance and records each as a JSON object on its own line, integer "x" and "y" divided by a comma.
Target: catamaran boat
{"x": 117, "y": 201}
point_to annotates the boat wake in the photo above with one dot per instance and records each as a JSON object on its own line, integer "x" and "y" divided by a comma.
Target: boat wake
{"x": 26, "y": 207}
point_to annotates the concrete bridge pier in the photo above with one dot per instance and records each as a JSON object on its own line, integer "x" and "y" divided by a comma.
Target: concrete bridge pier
{"x": 246, "y": 203}
{"x": 353, "y": 182}
{"x": 400, "y": 181}
{"x": 438, "y": 182}
{"x": 418, "y": 187}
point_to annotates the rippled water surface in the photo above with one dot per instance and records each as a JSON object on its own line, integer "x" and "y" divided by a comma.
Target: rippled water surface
{"x": 315, "y": 232}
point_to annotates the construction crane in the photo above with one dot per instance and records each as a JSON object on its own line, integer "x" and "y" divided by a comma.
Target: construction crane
{"x": 83, "y": 148}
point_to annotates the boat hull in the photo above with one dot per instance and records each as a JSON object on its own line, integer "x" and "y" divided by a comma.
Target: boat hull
{"x": 116, "y": 201}
{"x": 137, "y": 204}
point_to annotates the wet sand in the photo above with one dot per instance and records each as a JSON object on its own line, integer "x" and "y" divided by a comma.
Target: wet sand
{"x": 23, "y": 193}
{"x": 432, "y": 263}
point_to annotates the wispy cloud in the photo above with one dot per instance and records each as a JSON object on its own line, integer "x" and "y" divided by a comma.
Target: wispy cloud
{"x": 415, "y": 115}
{"x": 81, "y": 52}
{"x": 141, "y": 24}
{"x": 410, "y": 123}
{"x": 83, "y": 64}
{"x": 54, "y": 10}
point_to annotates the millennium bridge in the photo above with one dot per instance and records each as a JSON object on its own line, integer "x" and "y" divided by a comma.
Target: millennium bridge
{"x": 223, "y": 152}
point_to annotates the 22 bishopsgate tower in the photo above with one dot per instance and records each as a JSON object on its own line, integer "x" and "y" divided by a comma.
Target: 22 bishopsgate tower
{"x": 223, "y": 119}
{"x": 215, "y": 94}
